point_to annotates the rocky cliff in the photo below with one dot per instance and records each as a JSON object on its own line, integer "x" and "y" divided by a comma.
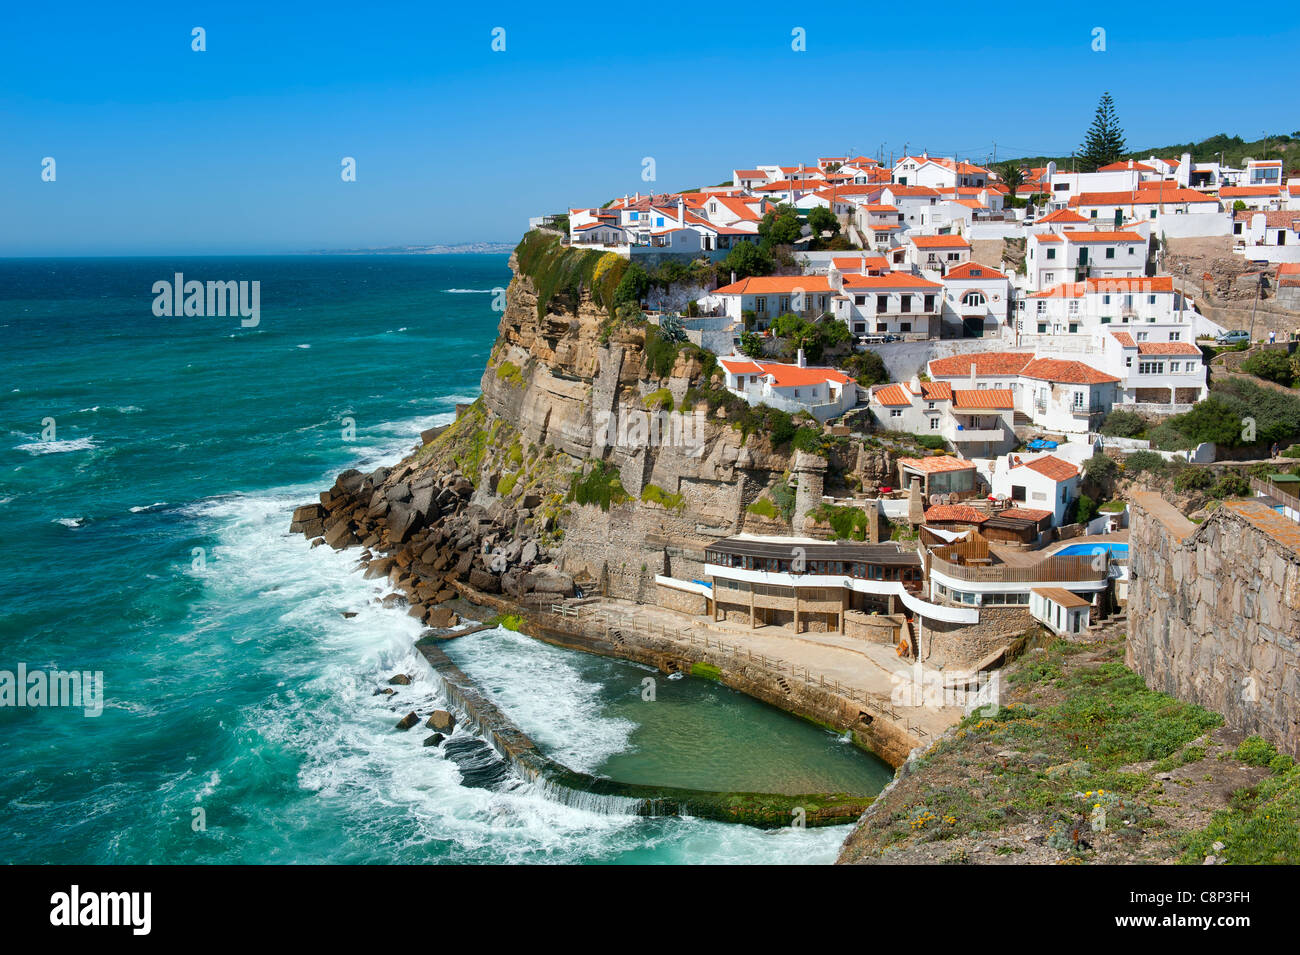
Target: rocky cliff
{"x": 597, "y": 454}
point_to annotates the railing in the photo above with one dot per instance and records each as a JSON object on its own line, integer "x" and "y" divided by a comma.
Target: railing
{"x": 1046, "y": 570}
{"x": 1276, "y": 493}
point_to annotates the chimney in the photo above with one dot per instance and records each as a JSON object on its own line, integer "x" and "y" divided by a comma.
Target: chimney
{"x": 801, "y": 361}
{"x": 972, "y": 373}
{"x": 681, "y": 212}
{"x": 733, "y": 276}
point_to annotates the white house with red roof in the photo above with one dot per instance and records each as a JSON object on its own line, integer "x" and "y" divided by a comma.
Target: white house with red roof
{"x": 892, "y": 303}
{"x": 918, "y": 204}
{"x": 823, "y": 392}
{"x": 976, "y": 300}
{"x": 769, "y": 296}
{"x": 978, "y": 423}
{"x": 1156, "y": 374}
{"x": 938, "y": 172}
{"x": 1073, "y": 255}
{"x": 1146, "y": 203}
{"x": 936, "y": 252}
{"x": 1058, "y": 395}
{"x": 1252, "y": 197}
{"x": 1046, "y": 482}
{"x": 1084, "y": 308}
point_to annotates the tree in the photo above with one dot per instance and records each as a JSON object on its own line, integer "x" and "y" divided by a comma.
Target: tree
{"x": 746, "y": 259}
{"x": 867, "y": 367}
{"x": 1013, "y": 177}
{"x": 822, "y": 220}
{"x": 633, "y": 286}
{"x": 1123, "y": 424}
{"x": 1104, "y": 143}
{"x": 781, "y": 225}
{"x": 751, "y": 345}
{"x": 1272, "y": 365}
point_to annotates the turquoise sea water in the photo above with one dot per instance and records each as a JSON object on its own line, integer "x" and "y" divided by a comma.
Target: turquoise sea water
{"x": 146, "y": 537}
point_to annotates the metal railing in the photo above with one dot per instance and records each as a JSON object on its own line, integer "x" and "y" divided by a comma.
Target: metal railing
{"x": 1276, "y": 493}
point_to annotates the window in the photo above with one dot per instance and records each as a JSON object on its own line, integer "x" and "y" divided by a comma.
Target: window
{"x": 929, "y": 406}
{"x": 973, "y": 299}
{"x": 882, "y": 303}
{"x": 1151, "y": 299}
{"x": 1110, "y": 252}
{"x": 895, "y": 413}
{"x": 1173, "y": 368}
{"x": 1131, "y": 250}
{"x": 934, "y": 424}
{"x": 907, "y": 303}
{"x": 929, "y": 303}
{"x": 1079, "y": 399}
{"x": 1042, "y": 308}
{"x": 1042, "y": 328}
{"x": 1128, "y": 361}
{"x": 1151, "y": 368}
{"x": 859, "y": 300}
{"x": 1049, "y": 277}
{"x": 904, "y": 326}
{"x": 1051, "y": 253}
{"x": 760, "y": 304}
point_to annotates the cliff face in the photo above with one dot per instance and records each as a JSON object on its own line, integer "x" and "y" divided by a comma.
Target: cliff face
{"x": 567, "y": 382}
{"x": 590, "y": 459}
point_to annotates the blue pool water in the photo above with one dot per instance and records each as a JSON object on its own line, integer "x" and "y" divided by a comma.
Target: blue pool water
{"x": 1117, "y": 549}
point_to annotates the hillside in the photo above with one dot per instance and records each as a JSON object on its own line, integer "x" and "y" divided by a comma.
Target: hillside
{"x": 1234, "y": 151}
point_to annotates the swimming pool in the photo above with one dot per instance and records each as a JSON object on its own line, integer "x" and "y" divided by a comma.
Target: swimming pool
{"x": 1117, "y": 549}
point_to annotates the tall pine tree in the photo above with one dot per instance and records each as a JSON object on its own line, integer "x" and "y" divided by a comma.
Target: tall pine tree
{"x": 1104, "y": 143}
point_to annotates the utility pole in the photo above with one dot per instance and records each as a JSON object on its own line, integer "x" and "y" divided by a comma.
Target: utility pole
{"x": 1258, "y": 291}
{"x": 995, "y": 152}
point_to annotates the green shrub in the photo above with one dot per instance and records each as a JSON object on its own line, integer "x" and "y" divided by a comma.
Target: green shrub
{"x": 601, "y": 485}
{"x": 660, "y": 353}
{"x": 661, "y": 400}
{"x": 1148, "y": 461}
{"x": 847, "y": 522}
{"x": 1101, "y": 470}
{"x": 1231, "y": 484}
{"x": 931, "y": 441}
{"x": 1123, "y": 424}
{"x": 1271, "y": 365}
{"x": 764, "y": 507}
{"x": 867, "y": 367}
{"x": 653, "y": 492}
{"x": 1193, "y": 479}
{"x": 1085, "y": 509}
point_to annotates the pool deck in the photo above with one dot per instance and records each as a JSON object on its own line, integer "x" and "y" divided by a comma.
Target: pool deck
{"x": 1015, "y": 557}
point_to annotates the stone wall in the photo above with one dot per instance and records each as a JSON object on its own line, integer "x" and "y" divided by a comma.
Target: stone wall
{"x": 1214, "y": 616}
{"x": 963, "y": 645}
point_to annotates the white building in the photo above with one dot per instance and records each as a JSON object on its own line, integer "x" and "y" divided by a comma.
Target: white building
{"x": 977, "y": 423}
{"x": 1046, "y": 482}
{"x": 823, "y": 392}
{"x": 1051, "y": 258}
{"x": 769, "y": 296}
{"x": 895, "y": 303}
{"x": 976, "y": 299}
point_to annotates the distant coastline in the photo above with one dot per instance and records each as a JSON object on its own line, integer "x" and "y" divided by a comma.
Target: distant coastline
{"x": 458, "y": 249}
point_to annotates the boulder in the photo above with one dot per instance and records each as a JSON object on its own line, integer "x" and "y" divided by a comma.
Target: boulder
{"x": 349, "y": 481}
{"x": 434, "y": 740}
{"x": 484, "y": 581}
{"x": 308, "y": 512}
{"x": 441, "y": 720}
{"x": 531, "y": 500}
{"x": 386, "y": 691}
{"x": 339, "y": 536}
{"x": 422, "y": 501}
{"x": 557, "y": 583}
{"x": 528, "y": 554}
{"x": 399, "y": 679}
{"x": 440, "y": 618}
{"x": 407, "y": 721}
{"x": 402, "y": 522}
{"x": 398, "y": 492}
{"x": 379, "y": 567}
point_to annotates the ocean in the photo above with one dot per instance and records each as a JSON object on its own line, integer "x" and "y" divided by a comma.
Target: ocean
{"x": 147, "y": 473}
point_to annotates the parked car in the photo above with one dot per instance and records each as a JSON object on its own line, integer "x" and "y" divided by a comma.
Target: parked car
{"x": 1234, "y": 337}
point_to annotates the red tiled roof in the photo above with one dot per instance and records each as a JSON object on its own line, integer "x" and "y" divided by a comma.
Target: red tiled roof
{"x": 986, "y": 363}
{"x": 1066, "y": 372}
{"x": 1146, "y": 194}
{"x": 1273, "y": 219}
{"x": 1051, "y": 467}
{"x": 1063, "y": 215}
{"x": 936, "y": 464}
{"x": 993, "y": 398}
{"x": 1102, "y": 236}
{"x": 784, "y": 376}
{"x": 936, "y": 391}
{"x": 1125, "y": 339}
{"x": 955, "y": 512}
{"x": 1168, "y": 348}
{"x": 1242, "y": 192}
{"x": 889, "y": 280}
{"x": 776, "y": 284}
{"x": 893, "y": 396}
{"x": 973, "y": 270}
{"x": 940, "y": 242}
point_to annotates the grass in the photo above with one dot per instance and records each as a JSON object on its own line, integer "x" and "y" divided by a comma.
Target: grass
{"x": 1262, "y": 826}
{"x": 763, "y": 507}
{"x": 847, "y": 522}
{"x": 706, "y": 671}
{"x": 673, "y": 502}
{"x": 601, "y": 485}
{"x": 511, "y": 373}
{"x": 661, "y": 400}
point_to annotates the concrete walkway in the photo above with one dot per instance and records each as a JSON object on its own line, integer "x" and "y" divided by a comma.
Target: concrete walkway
{"x": 860, "y": 667}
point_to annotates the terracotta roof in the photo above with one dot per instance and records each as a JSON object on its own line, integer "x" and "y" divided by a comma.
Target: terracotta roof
{"x": 1241, "y": 192}
{"x": 986, "y": 363}
{"x": 936, "y": 391}
{"x": 1063, "y": 215}
{"x": 993, "y": 398}
{"x": 955, "y": 512}
{"x": 936, "y": 464}
{"x": 1052, "y": 467}
{"x": 898, "y": 190}
{"x": 1146, "y": 194}
{"x": 855, "y": 263}
{"x": 775, "y": 284}
{"x": 1125, "y": 339}
{"x": 972, "y": 270}
{"x": 1066, "y": 372}
{"x": 889, "y": 280}
{"x": 1168, "y": 348}
{"x": 940, "y": 242}
{"x": 1046, "y": 237}
{"x": 1102, "y": 237}
{"x": 893, "y": 396}
{"x": 1125, "y": 164}
{"x": 1059, "y": 595}
{"x": 1283, "y": 530}
{"x": 1274, "y": 218}
{"x": 1024, "y": 514}
{"x": 784, "y": 376}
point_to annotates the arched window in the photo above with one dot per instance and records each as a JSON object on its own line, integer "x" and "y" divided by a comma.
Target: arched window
{"x": 973, "y": 299}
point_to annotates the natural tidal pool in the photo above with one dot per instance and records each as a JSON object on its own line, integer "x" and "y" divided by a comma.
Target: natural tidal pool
{"x": 690, "y": 732}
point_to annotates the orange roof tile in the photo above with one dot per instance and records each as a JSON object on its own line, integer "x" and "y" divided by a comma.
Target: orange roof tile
{"x": 893, "y": 396}
{"x": 1051, "y": 467}
{"x": 986, "y": 363}
{"x": 940, "y": 242}
{"x": 1066, "y": 372}
{"x": 1024, "y": 513}
{"x": 993, "y": 398}
{"x": 936, "y": 464}
{"x": 1242, "y": 192}
{"x": 776, "y": 284}
{"x": 1125, "y": 339}
{"x": 1102, "y": 237}
{"x": 1168, "y": 348}
{"x": 972, "y": 270}
{"x": 955, "y": 512}
{"x": 936, "y": 391}
{"x": 889, "y": 280}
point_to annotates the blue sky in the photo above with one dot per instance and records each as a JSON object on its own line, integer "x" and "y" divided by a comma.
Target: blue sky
{"x": 160, "y": 149}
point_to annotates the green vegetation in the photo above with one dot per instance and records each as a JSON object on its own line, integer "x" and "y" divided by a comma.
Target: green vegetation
{"x": 1231, "y": 484}
{"x": 1193, "y": 479}
{"x": 661, "y": 400}
{"x": 847, "y": 522}
{"x": 674, "y": 502}
{"x": 510, "y": 621}
{"x": 780, "y": 226}
{"x": 1085, "y": 509}
{"x": 660, "y": 353}
{"x": 931, "y": 441}
{"x": 559, "y": 270}
{"x": 814, "y": 337}
{"x": 1104, "y": 142}
{"x": 751, "y": 344}
{"x": 1262, "y": 825}
{"x": 1123, "y": 424}
{"x": 1271, "y": 365}
{"x": 763, "y": 507}
{"x": 867, "y": 368}
{"x": 1226, "y": 417}
{"x": 706, "y": 671}
{"x": 1144, "y": 461}
{"x": 747, "y": 259}
{"x": 601, "y": 485}
{"x": 1234, "y": 150}
{"x": 510, "y": 373}
{"x": 507, "y": 484}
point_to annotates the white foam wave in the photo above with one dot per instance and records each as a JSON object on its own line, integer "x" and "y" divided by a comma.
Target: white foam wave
{"x": 148, "y": 507}
{"x": 58, "y": 447}
{"x": 469, "y": 291}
